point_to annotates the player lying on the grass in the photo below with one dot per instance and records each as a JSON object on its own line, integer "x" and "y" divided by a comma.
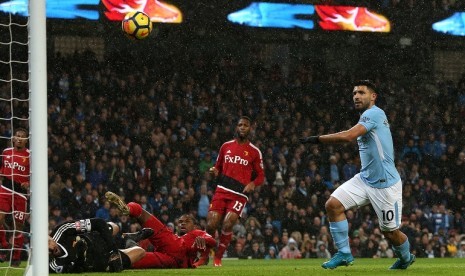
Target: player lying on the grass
{"x": 171, "y": 250}
{"x": 88, "y": 246}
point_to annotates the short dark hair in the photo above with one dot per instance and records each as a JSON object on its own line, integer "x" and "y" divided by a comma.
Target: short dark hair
{"x": 192, "y": 218}
{"x": 21, "y": 129}
{"x": 246, "y": 118}
{"x": 368, "y": 83}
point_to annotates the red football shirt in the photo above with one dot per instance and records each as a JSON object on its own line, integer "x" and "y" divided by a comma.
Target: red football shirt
{"x": 240, "y": 161}
{"x": 15, "y": 166}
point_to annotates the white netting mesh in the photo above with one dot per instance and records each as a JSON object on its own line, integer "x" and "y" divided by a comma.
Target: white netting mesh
{"x": 14, "y": 113}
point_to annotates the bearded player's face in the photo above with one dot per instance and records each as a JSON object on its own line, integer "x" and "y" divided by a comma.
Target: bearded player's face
{"x": 363, "y": 97}
{"x": 243, "y": 128}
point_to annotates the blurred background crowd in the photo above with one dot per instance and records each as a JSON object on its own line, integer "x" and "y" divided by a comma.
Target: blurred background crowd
{"x": 151, "y": 137}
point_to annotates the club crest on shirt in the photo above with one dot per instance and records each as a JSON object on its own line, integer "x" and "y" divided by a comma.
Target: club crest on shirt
{"x": 386, "y": 123}
{"x": 246, "y": 153}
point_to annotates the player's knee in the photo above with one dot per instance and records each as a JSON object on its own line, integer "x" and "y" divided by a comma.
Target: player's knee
{"x": 229, "y": 221}
{"x": 135, "y": 254}
{"x": 211, "y": 226}
{"x": 391, "y": 234}
{"x": 334, "y": 206}
{"x": 227, "y": 226}
{"x": 213, "y": 220}
{"x": 388, "y": 234}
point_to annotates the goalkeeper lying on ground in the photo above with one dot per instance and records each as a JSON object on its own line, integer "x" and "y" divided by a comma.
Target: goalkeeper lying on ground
{"x": 88, "y": 246}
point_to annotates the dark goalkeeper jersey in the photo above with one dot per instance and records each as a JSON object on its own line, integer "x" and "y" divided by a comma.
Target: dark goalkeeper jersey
{"x": 72, "y": 260}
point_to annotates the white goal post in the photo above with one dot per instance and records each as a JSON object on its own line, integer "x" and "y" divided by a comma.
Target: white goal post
{"x": 39, "y": 139}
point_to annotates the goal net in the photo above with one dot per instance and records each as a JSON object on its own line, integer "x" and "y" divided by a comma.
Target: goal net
{"x": 14, "y": 113}
{"x": 22, "y": 98}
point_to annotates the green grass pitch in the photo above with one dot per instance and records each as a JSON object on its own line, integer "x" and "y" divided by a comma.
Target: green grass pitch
{"x": 307, "y": 267}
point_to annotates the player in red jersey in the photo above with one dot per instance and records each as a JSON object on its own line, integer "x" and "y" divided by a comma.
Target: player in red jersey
{"x": 171, "y": 250}
{"x": 15, "y": 170}
{"x": 239, "y": 168}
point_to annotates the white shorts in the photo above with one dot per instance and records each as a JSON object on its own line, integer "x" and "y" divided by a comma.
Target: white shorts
{"x": 387, "y": 202}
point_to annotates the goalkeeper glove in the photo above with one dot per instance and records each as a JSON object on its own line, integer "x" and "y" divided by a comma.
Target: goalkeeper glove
{"x": 115, "y": 263}
{"x": 81, "y": 250}
{"x": 80, "y": 247}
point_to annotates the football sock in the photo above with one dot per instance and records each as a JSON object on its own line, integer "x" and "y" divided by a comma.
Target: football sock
{"x": 3, "y": 241}
{"x": 18, "y": 244}
{"x": 340, "y": 232}
{"x": 225, "y": 239}
{"x": 135, "y": 210}
{"x": 403, "y": 251}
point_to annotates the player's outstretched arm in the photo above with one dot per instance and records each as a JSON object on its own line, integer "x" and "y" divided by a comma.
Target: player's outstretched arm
{"x": 339, "y": 137}
{"x": 310, "y": 140}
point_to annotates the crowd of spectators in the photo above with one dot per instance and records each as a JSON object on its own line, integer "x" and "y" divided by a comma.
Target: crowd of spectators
{"x": 151, "y": 137}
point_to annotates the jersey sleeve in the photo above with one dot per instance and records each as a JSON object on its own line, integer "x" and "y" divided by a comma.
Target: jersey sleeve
{"x": 209, "y": 240}
{"x": 369, "y": 119}
{"x": 79, "y": 227}
{"x": 65, "y": 268}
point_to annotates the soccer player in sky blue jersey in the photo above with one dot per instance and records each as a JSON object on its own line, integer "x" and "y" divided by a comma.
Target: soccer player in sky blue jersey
{"x": 378, "y": 182}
